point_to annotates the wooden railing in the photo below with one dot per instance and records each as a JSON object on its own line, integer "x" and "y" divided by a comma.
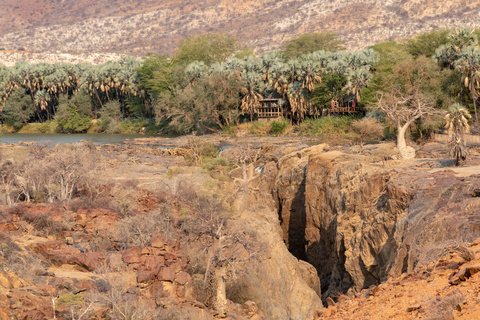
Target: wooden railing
{"x": 469, "y": 138}
{"x": 270, "y": 112}
{"x": 340, "y": 110}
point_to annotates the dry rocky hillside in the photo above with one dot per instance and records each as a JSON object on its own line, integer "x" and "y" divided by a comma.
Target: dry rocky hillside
{"x": 141, "y": 26}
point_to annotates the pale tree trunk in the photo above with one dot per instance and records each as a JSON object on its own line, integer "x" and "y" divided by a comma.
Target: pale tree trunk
{"x": 401, "y": 143}
{"x": 211, "y": 256}
{"x": 220, "y": 275}
{"x": 221, "y": 294}
{"x": 405, "y": 151}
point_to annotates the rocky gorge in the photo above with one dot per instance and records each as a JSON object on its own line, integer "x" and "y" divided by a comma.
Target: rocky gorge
{"x": 360, "y": 223}
{"x": 323, "y": 223}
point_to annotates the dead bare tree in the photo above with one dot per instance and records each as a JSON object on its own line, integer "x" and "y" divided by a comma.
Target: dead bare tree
{"x": 212, "y": 221}
{"x": 245, "y": 157}
{"x": 403, "y": 109}
{"x": 122, "y": 305}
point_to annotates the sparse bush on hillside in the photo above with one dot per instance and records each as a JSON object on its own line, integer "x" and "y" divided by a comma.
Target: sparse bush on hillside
{"x": 48, "y": 174}
{"x": 368, "y": 130}
{"x": 307, "y": 43}
{"x": 137, "y": 230}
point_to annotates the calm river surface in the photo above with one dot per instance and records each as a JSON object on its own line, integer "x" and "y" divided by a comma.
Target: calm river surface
{"x": 100, "y": 138}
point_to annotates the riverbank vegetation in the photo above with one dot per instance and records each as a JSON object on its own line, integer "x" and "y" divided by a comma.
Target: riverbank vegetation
{"x": 212, "y": 83}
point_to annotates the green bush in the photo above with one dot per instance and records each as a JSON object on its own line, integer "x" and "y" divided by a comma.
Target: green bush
{"x": 70, "y": 299}
{"x": 228, "y": 130}
{"x": 278, "y": 127}
{"x": 212, "y": 164}
{"x": 110, "y": 116}
{"x": 200, "y": 150}
{"x": 326, "y": 126}
{"x": 208, "y": 150}
{"x": 217, "y": 168}
{"x": 49, "y": 126}
{"x": 258, "y": 128}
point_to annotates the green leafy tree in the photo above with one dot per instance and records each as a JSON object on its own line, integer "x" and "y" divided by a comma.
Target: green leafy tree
{"x": 208, "y": 48}
{"x": 390, "y": 54}
{"x": 156, "y": 73}
{"x": 307, "y": 43}
{"x": 208, "y": 104}
{"x": 18, "y": 109}
{"x": 411, "y": 96}
{"x": 75, "y": 114}
{"x": 330, "y": 89}
{"x": 180, "y": 113}
{"x": 426, "y": 43}
{"x": 110, "y": 115}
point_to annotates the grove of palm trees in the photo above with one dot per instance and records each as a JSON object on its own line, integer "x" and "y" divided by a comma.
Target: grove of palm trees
{"x": 212, "y": 83}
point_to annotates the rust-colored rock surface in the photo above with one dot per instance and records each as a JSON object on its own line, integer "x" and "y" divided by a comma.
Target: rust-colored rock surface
{"x": 424, "y": 293}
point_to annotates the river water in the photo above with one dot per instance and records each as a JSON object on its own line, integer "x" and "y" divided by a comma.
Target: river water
{"x": 99, "y": 138}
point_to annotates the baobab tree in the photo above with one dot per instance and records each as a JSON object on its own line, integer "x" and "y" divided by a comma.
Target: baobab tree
{"x": 403, "y": 109}
{"x": 409, "y": 95}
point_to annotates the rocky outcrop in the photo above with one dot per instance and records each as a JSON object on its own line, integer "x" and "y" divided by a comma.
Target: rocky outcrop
{"x": 447, "y": 289}
{"x": 289, "y": 288}
{"x": 360, "y": 222}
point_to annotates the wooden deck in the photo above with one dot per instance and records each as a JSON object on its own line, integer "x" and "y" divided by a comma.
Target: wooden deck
{"x": 340, "y": 110}
{"x": 269, "y": 109}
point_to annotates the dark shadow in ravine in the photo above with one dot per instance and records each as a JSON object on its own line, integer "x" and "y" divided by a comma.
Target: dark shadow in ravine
{"x": 298, "y": 223}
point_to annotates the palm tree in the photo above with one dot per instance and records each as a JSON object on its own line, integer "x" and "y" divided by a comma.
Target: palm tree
{"x": 470, "y": 64}
{"x": 357, "y": 79}
{"x": 252, "y": 86}
{"x": 449, "y": 56}
{"x": 457, "y": 126}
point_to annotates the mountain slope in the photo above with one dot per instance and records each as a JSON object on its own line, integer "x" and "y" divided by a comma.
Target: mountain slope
{"x": 140, "y": 26}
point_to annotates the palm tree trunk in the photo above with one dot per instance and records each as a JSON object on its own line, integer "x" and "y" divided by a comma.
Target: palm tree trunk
{"x": 474, "y": 98}
{"x": 461, "y": 85}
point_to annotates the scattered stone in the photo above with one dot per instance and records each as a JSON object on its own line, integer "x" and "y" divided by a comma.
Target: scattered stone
{"x": 131, "y": 255}
{"x": 250, "y": 308}
{"x": 413, "y": 308}
{"x": 464, "y": 273}
{"x": 166, "y": 274}
{"x": 330, "y": 302}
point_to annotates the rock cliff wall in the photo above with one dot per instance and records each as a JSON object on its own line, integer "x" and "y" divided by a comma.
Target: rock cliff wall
{"x": 290, "y": 287}
{"x": 360, "y": 222}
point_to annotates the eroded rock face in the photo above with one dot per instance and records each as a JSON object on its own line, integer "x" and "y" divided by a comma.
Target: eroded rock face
{"x": 360, "y": 222}
{"x": 289, "y": 288}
